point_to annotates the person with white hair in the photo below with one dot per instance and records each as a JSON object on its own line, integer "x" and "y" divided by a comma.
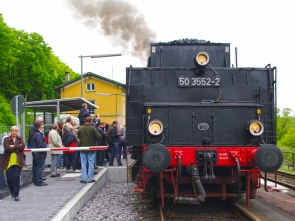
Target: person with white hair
{"x": 13, "y": 160}
{"x": 54, "y": 140}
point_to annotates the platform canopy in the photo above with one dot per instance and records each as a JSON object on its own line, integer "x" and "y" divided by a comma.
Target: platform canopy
{"x": 60, "y": 105}
{"x": 55, "y": 106}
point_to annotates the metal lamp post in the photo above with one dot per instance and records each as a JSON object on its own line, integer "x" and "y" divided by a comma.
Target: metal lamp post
{"x": 92, "y": 56}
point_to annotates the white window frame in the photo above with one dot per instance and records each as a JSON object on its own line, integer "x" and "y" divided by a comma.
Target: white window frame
{"x": 90, "y": 86}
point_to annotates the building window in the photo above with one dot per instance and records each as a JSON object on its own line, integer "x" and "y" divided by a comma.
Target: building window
{"x": 91, "y": 111}
{"x": 90, "y": 87}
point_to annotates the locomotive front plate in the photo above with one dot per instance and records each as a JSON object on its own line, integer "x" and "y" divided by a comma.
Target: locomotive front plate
{"x": 198, "y": 81}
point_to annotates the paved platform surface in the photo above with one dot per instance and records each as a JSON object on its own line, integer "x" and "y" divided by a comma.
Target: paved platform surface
{"x": 263, "y": 210}
{"x": 60, "y": 200}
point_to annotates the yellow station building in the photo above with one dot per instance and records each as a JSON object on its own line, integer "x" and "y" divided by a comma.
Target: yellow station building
{"x": 107, "y": 94}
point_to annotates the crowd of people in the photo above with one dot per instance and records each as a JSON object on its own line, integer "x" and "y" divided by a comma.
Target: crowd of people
{"x": 91, "y": 132}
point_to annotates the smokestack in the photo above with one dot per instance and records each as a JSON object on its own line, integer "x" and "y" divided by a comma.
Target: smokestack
{"x": 67, "y": 76}
{"x": 119, "y": 20}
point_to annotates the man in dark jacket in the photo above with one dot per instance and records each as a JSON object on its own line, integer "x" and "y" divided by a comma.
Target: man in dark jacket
{"x": 100, "y": 153}
{"x": 88, "y": 136}
{"x": 83, "y": 113}
{"x": 38, "y": 141}
{"x": 114, "y": 143}
{"x": 32, "y": 128}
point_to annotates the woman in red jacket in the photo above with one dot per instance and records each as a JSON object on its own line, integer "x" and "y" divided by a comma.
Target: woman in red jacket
{"x": 13, "y": 160}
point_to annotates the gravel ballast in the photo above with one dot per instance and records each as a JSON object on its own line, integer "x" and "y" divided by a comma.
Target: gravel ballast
{"x": 116, "y": 201}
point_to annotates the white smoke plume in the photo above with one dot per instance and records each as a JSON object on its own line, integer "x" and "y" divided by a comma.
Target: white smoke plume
{"x": 119, "y": 20}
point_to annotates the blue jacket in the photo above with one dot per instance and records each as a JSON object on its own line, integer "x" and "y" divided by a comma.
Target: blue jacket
{"x": 113, "y": 137}
{"x": 38, "y": 141}
{"x": 102, "y": 133}
{"x": 68, "y": 138}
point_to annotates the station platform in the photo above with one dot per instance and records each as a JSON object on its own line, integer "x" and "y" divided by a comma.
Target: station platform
{"x": 62, "y": 198}
{"x": 263, "y": 210}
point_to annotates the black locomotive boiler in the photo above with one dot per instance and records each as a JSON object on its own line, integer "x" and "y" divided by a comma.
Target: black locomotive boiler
{"x": 199, "y": 127}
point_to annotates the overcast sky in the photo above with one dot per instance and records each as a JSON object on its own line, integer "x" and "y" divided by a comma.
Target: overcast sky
{"x": 263, "y": 31}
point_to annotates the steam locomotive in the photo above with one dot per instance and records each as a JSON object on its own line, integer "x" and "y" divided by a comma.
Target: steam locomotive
{"x": 198, "y": 126}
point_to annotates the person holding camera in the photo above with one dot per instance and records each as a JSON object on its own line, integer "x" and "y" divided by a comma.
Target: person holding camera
{"x": 114, "y": 143}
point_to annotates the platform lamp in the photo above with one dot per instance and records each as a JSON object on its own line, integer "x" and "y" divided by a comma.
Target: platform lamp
{"x": 92, "y": 56}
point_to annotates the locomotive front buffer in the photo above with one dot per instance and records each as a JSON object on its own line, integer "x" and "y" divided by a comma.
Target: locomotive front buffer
{"x": 193, "y": 169}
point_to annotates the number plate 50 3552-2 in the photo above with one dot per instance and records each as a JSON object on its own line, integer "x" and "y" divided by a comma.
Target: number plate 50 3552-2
{"x": 198, "y": 81}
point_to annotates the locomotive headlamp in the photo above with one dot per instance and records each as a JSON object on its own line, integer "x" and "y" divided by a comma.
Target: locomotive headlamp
{"x": 256, "y": 128}
{"x": 202, "y": 59}
{"x": 155, "y": 127}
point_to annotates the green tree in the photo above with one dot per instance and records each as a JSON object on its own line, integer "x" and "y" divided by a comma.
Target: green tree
{"x": 6, "y": 49}
{"x": 7, "y": 118}
{"x": 28, "y": 65}
{"x": 285, "y": 121}
{"x": 288, "y": 140}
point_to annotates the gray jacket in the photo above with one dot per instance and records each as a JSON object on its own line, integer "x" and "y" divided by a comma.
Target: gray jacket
{"x": 54, "y": 140}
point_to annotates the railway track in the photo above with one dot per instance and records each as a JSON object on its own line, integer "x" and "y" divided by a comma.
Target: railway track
{"x": 211, "y": 210}
{"x": 283, "y": 178}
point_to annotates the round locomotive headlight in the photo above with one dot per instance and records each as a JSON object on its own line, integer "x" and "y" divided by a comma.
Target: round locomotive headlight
{"x": 155, "y": 127}
{"x": 256, "y": 128}
{"x": 202, "y": 58}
